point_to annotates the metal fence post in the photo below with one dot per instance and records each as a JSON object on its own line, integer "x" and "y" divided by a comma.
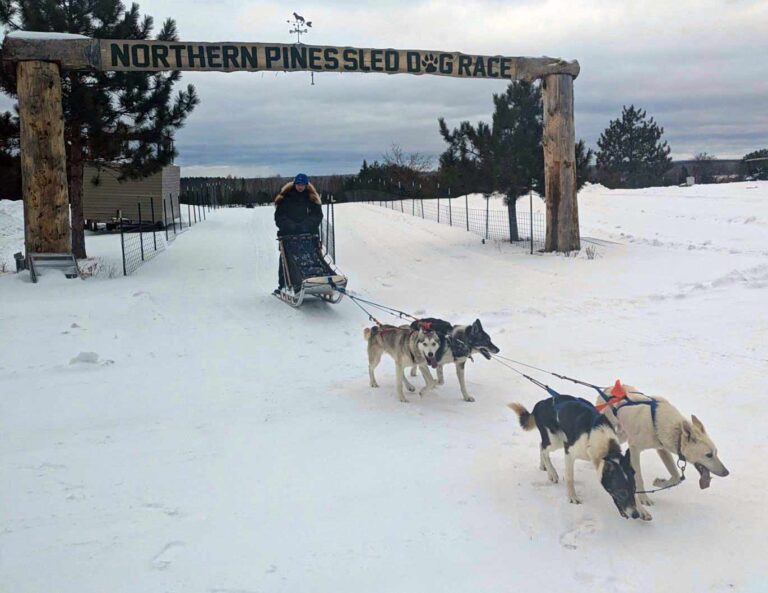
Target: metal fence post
{"x": 401, "y": 207}
{"x": 327, "y": 223}
{"x": 165, "y": 219}
{"x": 152, "y": 212}
{"x": 450, "y": 208}
{"x": 189, "y": 215}
{"x": 509, "y": 219}
{"x": 530, "y": 207}
{"x": 422, "y": 207}
{"x": 122, "y": 238}
{"x": 173, "y": 214}
{"x": 141, "y": 232}
{"x": 466, "y": 209}
{"x": 438, "y": 207}
{"x": 333, "y": 224}
{"x": 202, "y": 207}
{"x": 487, "y": 206}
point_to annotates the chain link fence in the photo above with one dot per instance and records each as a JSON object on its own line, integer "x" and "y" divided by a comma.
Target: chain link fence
{"x": 524, "y": 228}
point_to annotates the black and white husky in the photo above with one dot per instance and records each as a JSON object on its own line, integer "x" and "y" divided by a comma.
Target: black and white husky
{"x": 407, "y": 347}
{"x": 460, "y": 343}
{"x": 576, "y": 425}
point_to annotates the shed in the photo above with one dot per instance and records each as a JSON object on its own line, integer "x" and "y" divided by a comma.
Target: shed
{"x": 104, "y": 194}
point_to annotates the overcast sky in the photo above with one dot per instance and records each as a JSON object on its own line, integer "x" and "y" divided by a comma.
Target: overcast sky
{"x": 699, "y": 67}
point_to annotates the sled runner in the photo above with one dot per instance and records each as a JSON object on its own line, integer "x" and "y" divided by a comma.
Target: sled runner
{"x": 307, "y": 271}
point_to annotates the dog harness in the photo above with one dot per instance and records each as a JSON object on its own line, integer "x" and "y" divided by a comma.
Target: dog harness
{"x": 557, "y": 406}
{"x": 619, "y": 396}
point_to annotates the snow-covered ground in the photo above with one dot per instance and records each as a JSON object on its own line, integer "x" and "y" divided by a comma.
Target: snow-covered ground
{"x": 11, "y": 232}
{"x": 182, "y": 430}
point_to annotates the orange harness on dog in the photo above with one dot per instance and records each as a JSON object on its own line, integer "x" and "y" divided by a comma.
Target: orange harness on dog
{"x": 618, "y": 393}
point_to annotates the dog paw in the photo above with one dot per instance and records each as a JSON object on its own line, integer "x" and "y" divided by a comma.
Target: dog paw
{"x": 573, "y": 499}
{"x": 644, "y": 514}
{"x": 374, "y": 385}
{"x": 404, "y": 399}
{"x": 644, "y": 500}
{"x": 662, "y": 483}
{"x": 441, "y": 382}
{"x": 552, "y": 477}
{"x": 542, "y": 467}
{"x": 410, "y": 388}
{"x": 469, "y": 398}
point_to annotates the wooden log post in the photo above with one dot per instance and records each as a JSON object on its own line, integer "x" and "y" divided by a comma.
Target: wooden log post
{"x": 43, "y": 159}
{"x": 559, "y": 141}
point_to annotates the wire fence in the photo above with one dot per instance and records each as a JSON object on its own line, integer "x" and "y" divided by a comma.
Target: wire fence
{"x": 510, "y": 225}
{"x": 328, "y": 231}
{"x": 143, "y": 239}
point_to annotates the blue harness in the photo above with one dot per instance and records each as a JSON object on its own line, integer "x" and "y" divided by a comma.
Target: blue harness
{"x": 596, "y": 416}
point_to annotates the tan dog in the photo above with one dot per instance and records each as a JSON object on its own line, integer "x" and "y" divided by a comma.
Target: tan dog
{"x": 653, "y": 423}
{"x": 407, "y": 347}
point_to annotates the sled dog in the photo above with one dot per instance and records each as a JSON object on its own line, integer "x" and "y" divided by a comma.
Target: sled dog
{"x": 653, "y": 423}
{"x": 407, "y": 347}
{"x": 576, "y": 425}
{"x": 461, "y": 342}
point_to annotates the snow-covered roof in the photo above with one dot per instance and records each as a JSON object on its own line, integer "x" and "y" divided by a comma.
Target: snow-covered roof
{"x": 43, "y": 35}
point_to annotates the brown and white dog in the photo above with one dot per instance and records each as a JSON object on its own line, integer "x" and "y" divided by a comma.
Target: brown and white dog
{"x": 653, "y": 423}
{"x": 407, "y": 347}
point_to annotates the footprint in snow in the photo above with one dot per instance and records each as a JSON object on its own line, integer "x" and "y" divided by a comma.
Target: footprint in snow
{"x": 571, "y": 538}
{"x": 166, "y": 556}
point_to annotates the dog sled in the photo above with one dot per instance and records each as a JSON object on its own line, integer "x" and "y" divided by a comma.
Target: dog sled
{"x": 308, "y": 271}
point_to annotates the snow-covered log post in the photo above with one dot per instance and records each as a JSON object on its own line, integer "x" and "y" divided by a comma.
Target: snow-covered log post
{"x": 43, "y": 158}
{"x": 559, "y": 139}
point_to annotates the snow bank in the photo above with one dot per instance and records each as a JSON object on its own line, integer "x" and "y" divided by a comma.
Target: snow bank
{"x": 43, "y": 35}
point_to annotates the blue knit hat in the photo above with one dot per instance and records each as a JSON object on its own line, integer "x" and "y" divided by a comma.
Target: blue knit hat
{"x": 301, "y": 179}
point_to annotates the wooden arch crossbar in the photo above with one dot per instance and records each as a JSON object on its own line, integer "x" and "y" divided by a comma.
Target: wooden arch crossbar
{"x": 40, "y": 57}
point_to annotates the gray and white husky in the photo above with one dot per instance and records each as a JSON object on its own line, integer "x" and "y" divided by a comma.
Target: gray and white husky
{"x": 653, "y": 423}
{"x": 407, "y": 347}
{"x": 461, "y": 342}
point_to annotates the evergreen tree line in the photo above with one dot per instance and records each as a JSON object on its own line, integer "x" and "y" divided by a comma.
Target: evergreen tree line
{"x": 241, "y": 191}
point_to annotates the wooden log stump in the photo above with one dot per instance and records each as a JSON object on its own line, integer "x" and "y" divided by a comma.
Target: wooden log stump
{"x": 559, "y": 141}
{"x": 43, "y": 159}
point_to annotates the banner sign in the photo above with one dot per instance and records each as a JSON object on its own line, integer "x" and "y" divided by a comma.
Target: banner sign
{"x": 118, "y": 55}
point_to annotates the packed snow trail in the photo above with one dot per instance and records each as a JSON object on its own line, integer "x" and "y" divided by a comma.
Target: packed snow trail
{"x": 213, "y": 439}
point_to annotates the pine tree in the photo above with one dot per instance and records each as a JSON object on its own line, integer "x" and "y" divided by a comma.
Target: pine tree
{"x": 631, "y": 153}
{"x": 506, "y": 156}
{"x": 583, "y": 163}
{"x": 10, "y": 167}
{"x": 123, "y": 119}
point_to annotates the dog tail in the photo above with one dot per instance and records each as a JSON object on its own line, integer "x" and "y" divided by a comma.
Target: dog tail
{"x": 527, "y": 421}
{"x": 370, "y": 332}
